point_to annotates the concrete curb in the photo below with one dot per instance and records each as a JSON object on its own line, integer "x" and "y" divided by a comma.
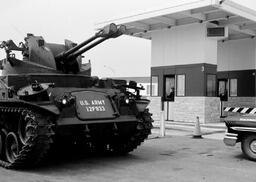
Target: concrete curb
{"x": 206, "y": 129}
{"x": 219, "y": 125}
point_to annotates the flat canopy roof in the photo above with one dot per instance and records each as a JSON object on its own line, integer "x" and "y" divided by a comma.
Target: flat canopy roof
{"x": 240, "y": 20}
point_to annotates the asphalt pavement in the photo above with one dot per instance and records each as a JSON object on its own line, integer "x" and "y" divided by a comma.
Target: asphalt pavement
{"x": 177, "y": 157}
{"x": 168, "y": 159}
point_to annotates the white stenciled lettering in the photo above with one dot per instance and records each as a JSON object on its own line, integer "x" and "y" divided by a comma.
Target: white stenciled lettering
{"x": 81, "y": 102}
{"x": 95, "y": 108}
{"x": 98, "y": 102}
{"x": 84, "y": 103}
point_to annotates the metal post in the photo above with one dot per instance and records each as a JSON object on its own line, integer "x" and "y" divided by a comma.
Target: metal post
{"x": 221, "y": 109}
{"x": 162, "y": 124}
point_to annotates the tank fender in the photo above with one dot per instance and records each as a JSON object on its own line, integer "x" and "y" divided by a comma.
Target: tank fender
{"x": 51, "y": 108}
{"x": 48, "y": 108}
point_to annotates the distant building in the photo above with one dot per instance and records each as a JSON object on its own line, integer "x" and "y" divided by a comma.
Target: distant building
{"x": 150, "y": 89}
{"x": 201, "y": 52}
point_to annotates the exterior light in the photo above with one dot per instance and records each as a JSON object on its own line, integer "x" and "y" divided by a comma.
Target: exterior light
{"x": 64, "y": 101}
{"x": 127, "y": 101}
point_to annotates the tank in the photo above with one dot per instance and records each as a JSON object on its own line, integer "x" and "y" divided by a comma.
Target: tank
{"x": 49, "y": 100}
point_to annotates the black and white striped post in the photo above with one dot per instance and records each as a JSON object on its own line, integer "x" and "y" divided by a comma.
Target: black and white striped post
{"x": 242, "y": 110}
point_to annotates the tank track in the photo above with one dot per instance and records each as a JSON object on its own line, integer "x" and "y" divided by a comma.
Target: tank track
{"x": 143, "y": 129}
{"x": 38, "y": 140}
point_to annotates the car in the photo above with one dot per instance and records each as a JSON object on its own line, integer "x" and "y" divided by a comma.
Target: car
{"x": 242, "y": 129}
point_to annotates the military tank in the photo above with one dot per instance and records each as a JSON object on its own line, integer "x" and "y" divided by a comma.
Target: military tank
{"x": 48, "y": 98}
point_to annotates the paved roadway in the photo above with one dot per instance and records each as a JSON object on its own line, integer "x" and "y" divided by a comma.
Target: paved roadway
{"x": 173, "y": 158}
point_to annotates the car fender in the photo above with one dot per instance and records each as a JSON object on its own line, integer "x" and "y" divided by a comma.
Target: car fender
{"x": 244, "y": 129}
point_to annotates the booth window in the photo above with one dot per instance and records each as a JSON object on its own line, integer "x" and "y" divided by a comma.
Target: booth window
{"x": 211, "y": 86}
{"x": 148, "y": 90}
{"x": 180, "y": 85}
{"x": 154, "y": 86}
{"x": 233, "y": 87}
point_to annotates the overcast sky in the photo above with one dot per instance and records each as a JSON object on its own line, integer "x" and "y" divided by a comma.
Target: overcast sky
{"x": 57, "y": 20}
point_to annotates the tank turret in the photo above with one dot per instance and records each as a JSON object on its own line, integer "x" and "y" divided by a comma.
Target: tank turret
{"x": 42, "y": 57}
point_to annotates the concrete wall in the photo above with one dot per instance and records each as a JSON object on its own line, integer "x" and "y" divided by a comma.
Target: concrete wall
{"x": 236, "y": 55}
{"x": 155, "y": 107}
{"x": 186, "y": 109}
{"x": 183, "y": 45}
{"x": 240, "y": 102}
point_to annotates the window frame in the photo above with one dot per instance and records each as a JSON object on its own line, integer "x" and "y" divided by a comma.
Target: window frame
{"x": 177, "y": 85}
{"x": 215, "y": 86}
{"x": 230, "y": 95}
{"x": 151, "y": 86}
{"x": 148, "y": 90}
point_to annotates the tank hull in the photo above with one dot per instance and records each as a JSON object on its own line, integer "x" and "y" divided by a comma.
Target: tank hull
{"x": 81, "y": 117}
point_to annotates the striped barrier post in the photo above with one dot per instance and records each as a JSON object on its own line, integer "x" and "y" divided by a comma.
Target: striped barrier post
{"x": 242, "y": 110}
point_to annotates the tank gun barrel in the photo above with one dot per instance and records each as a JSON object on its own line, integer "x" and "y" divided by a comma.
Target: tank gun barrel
{"x": 110, "y": 31}
{"x": 105, "y": 34}
{"x": 79, "y": 52}
{"x": 70, "y": 51}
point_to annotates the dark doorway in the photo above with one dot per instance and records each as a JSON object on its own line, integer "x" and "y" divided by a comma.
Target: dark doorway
{"x": 223, "y": 89}
{"x": 222, "y": 93}
{"x": 169, "y": 87}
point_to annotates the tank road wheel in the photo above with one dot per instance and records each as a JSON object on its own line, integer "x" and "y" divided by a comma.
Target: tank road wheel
{"x": 3, "y": 135}
{"x": 12, "y": 147}
{"x": 28, "y": 140}
{"x": 1, "y": 145}
{"x": 248, "y": 145}
{"x": 25, "y": 128}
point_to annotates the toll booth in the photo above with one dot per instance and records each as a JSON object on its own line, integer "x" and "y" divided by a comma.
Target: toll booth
{"x": 203, "y": 57}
